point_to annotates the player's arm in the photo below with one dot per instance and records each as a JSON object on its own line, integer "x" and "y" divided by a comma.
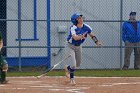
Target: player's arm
{"x": 77, "y": 37}
{"x": 94, "y": 38}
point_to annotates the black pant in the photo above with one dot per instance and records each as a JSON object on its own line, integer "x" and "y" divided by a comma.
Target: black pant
{"x": 2, "y": 75}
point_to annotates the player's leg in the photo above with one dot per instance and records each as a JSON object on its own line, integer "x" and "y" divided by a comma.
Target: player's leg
{"x": 3, "y": 77}
{"x": 69, "y": 69}
{"x": 76, "y": 61}
{"x": 4, "y": 72}
{"x": 78, "y": 55}
{"x": 0, "y": 73}
{"x": 67, "y": 72}
{"x": 72, "y": 70}
{"x": 67, "y": 51}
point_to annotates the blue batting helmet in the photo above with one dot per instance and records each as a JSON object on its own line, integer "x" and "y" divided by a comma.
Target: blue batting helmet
{"x": 74, "y": 17}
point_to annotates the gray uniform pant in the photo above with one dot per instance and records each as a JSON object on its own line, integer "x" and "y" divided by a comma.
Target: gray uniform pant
{"x": 128, "y": 52}
{"x": 75, "y": 52}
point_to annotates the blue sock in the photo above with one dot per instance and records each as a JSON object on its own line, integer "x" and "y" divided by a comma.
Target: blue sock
{"x": 71, "y": 72}
{"x": 69, "y": 68}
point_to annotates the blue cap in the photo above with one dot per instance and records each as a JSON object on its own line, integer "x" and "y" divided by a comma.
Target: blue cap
{"x": 74, "y": 17}
{"x": 132, "y": 13}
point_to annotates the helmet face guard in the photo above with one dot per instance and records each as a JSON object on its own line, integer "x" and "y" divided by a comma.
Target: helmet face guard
{"x": 74, "y": 18}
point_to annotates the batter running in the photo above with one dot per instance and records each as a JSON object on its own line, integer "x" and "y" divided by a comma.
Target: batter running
{"x": 77, "y": 35}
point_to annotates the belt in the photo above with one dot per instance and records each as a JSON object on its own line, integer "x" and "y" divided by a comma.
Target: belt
{"x": 74, "y": 44}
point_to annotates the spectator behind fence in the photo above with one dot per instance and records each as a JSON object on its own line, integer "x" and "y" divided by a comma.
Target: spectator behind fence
{"x": 131, "y": 38}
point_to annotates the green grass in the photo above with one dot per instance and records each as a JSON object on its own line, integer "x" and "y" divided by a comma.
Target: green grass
{"x": 87, "y": 73}
{"x": 110, "y": 73}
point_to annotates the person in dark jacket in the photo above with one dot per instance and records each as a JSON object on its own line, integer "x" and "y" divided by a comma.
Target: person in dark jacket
{"x": 3, "y": 65}
{"x": 131, "y": 38}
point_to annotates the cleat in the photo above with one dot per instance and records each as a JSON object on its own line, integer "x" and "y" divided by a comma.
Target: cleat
{"x": 4, "y": 82}
{"x": 67, "y": 73}
{"x": 38, "y": 77}
{"x": 72, "y": 82}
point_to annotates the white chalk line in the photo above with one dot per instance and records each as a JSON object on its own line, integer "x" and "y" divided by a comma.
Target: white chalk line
{"x": 26, "y": 82}
{"x": 42, "y": 86}
{"x": 56, "y": 89}
{"x": 115, "y": 84}
{"x": 2, "y": 85}
{"x": 74, "y": 91}
{"x": 13, "y": 88}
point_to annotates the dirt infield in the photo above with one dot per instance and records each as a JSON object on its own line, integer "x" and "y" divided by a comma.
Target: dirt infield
{"x": 61, "y": 85}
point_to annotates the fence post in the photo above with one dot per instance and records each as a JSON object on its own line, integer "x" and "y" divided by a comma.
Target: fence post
{"x": 19, "y": 32}
{"x": 121, "y": 20}
{"x": 48, "y": 32}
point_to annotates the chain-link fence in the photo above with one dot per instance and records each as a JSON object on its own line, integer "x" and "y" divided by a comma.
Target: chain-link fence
{"x": 35, "y": 31}
{"x": 106, "y": 18}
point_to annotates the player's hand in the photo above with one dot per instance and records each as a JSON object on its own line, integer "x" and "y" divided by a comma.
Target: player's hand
{"x": 98, "y": 43}
{"x": 84, "y": 35}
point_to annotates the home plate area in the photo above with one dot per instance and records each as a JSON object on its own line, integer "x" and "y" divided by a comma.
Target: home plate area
{"x": 61, "y": 85}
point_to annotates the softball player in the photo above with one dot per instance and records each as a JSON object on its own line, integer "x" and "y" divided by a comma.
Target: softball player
{"x": 77, "y": 35}
{"x": 3, "y": 65}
